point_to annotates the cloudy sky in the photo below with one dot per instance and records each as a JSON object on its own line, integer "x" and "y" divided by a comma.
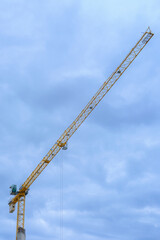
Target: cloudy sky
{"x": 54, "y": 55}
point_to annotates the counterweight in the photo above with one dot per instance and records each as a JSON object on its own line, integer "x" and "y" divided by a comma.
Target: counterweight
{"x": 62, "y": 141}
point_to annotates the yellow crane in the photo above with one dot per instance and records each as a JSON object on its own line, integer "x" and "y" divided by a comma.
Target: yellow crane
{"x": 62, "y": 141}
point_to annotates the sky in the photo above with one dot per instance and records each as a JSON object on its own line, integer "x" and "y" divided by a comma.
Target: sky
{"x": 54, "y": 57}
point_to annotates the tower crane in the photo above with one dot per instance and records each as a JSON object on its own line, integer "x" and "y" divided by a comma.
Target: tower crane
{"x": 61, "y": 143}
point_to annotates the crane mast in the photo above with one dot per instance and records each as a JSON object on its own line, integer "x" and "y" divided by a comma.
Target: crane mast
{"x": 62, "y": 141}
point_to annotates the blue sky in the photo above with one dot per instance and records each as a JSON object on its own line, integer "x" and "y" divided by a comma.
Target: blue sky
{"x": 54, "y": 57}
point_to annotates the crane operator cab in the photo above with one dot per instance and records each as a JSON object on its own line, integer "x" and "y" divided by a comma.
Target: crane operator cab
{"x": 13, "y": 190}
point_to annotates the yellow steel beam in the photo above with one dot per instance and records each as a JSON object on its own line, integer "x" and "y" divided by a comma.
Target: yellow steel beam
{"x": 107, "y": 85}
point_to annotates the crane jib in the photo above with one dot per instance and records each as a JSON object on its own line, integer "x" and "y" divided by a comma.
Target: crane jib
{"x": 107, "y": 85}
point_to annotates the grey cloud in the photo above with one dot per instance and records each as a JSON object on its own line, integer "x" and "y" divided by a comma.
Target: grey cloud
{"x": 55, "y": 56}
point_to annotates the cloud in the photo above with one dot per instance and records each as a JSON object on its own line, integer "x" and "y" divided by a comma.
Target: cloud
{"x": 54, "y": 57}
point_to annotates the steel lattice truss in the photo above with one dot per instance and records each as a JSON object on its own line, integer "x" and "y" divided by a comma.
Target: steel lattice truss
{"x": 62, "y": 141}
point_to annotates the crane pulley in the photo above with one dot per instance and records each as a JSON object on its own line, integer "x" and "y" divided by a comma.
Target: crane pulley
{"x": 61, "y": 143}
